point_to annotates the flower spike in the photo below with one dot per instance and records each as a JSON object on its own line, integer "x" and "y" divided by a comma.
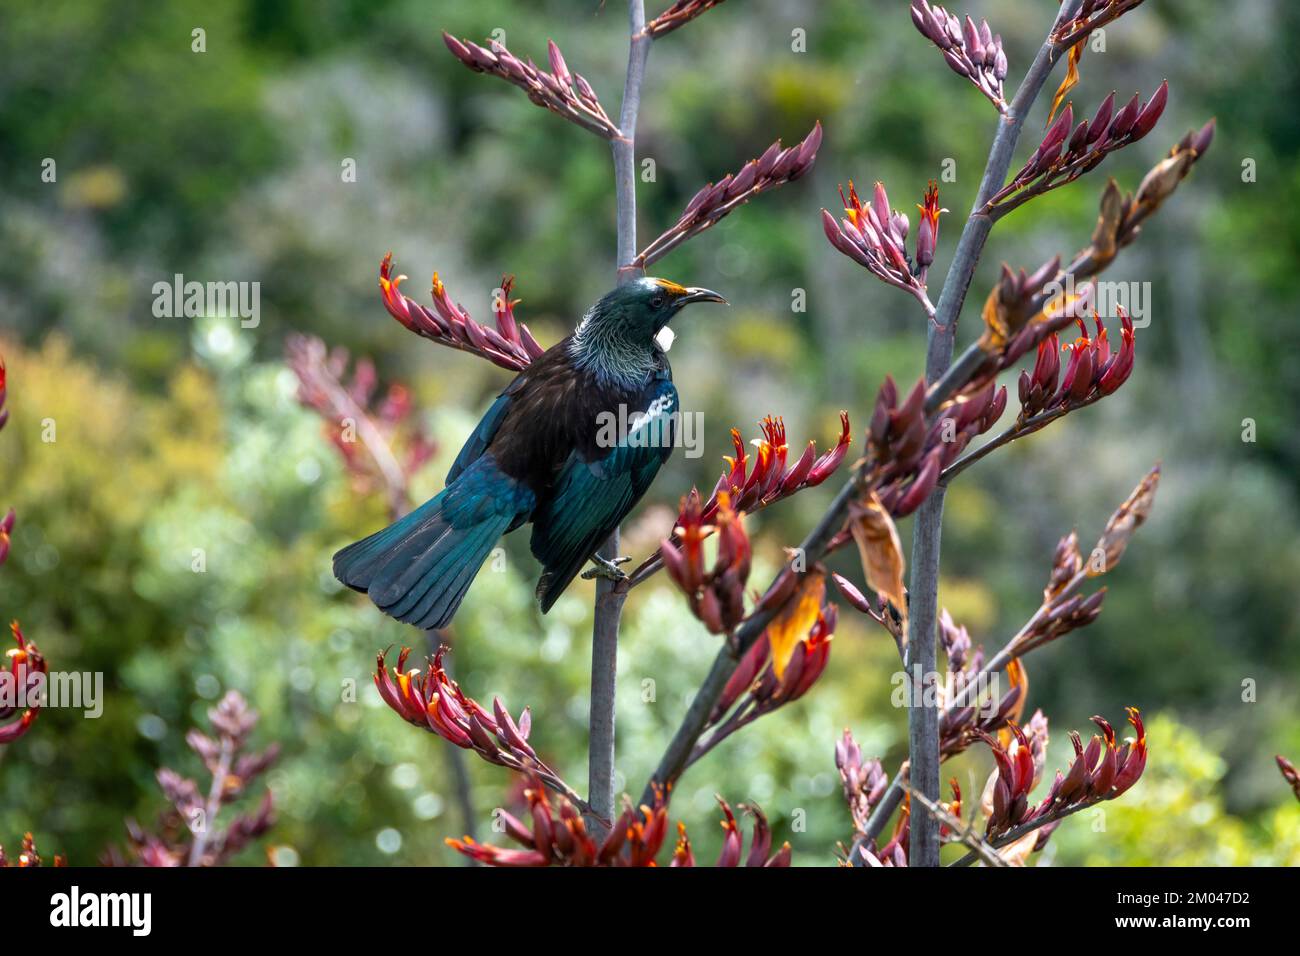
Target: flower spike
{"x": 974, "y": 52}
{"x": 556, "y": 835}
{"x": 25, "y": 677}
{"x": 774, "y": 168}
{"x": 564, "y": 93}
{"x": 432, "y": 701}
{"x": 1068, "y": 151}
{"x": 875, "y": 236}
{"x": 678, "y": 15}
{"x": 510, "y": 345}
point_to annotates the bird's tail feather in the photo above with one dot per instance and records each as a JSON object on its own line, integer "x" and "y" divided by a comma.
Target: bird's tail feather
{"x": 418, "y": 569}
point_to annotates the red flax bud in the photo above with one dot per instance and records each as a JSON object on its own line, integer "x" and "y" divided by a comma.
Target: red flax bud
{"x": 1101, "y": 119}
{"x": 25, "y": 678}
{"x": 716, "y": 595}
{"x": 559, "y": 69}
{"x": 1122, "y": 124}
{"x": 1290, "y": 774}
{"x": 875, "y": 236}
{"x": 1116, "y": 369}
{"x": 927, "y": 236}
{"x": 854, "y": 596}
{"x": 1151, "y": 113}
{"x": 1132, "y": 757}
{"x": 4, "y": 412}
{"x": 6, "y": 529}
{"x": 1055, "y": 136}
{"x": 743, "y": 677}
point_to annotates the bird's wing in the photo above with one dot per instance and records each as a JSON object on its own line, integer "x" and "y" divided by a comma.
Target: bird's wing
{"x": 481, "y": 437}
{"x": 590, "y": 498}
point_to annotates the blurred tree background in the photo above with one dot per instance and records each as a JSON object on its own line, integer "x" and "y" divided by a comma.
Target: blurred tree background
{"x": 176, "y": 434}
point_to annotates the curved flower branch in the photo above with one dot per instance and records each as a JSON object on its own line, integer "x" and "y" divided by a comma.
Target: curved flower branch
{"x": 1102, "y": 771}
{"x": 753, "y": 482}
{"x": 1068, "y": 151}
{"x": 510, "y": 345}
{"x": 1092, "y": 373}
{"x": 774, "y": 168}
{"x": 678, "y": 15}
{"x": 1063, "y": 609}
{"x": 875, "y": 236}
{"x": 971, "y": 51}
{"x": 1017, "y": 314}
{"x": 972, "y": 707}
{"x": 562, "y": 92}
{"x": 432, "y": 701}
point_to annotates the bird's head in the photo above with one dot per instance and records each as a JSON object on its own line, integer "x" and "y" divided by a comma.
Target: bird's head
{"x": 616, "y": 337}
{"x": 644, "y": 306}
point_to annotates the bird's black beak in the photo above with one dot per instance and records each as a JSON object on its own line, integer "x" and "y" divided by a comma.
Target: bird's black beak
{"x": 701, "y": 295}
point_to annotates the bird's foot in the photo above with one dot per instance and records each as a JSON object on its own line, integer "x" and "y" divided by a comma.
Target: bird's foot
{"x": 605, "y": 568}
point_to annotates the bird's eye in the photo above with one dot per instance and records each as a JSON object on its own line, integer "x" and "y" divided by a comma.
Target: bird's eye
{"x": 657, "y": 301}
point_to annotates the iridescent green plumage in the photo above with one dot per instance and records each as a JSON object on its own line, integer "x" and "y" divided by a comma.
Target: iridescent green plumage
{"x": 544, "y": 453}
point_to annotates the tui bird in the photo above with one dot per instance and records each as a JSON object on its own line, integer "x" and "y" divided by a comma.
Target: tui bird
{"x": 547, "y": 452}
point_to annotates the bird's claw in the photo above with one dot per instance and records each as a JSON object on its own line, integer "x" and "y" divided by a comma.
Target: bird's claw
{"x": 605, "y": 568}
